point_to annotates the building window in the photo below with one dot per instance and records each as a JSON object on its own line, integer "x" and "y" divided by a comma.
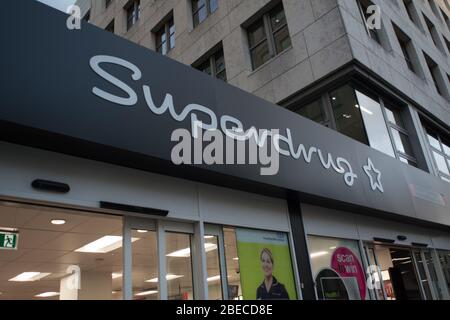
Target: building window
{"x": 110, "y": 27}
{"x": 214, "y": 65}
{"x": 434, "y": 34}
{"x": 363, "y": 8}
{"x": 165, "y": 37}
{"x": 435, "y": 74}
{"x": 400, "y": 136}
{"x": 447, "y": 43}
{"x": 133, "y": 10}
{"x": 268, "y": 36}
{"x": 201, "y": 9}
{"x": 107, "y": 3}
{"x": 313, "y": 111}
{"x": 407, "y": 48}
{"x": 412, "y": 13}
{"x": 446, "y": 18}
{"x": 87, "y": 16}
{"x": 434, "y": 8}
{"x": 440, "y": 149}
{"x": 372, "y": 121}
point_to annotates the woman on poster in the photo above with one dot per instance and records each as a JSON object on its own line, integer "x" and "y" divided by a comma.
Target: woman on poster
{"x": 270, "y": 288}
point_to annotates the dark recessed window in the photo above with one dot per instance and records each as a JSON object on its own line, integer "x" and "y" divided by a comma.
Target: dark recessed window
{"x": 165, "y": 37}
{"x": 407, "y": 48}
{"x": 435, "y": 74}
{"x": 433, "y": 33}
{"x": 412, "y": 13}
{"x": 268, "y": 36}
{"x": 440, "y": 149}
{"x": 87, "y": 16}
{"x": 447, "y": 43}
{"x": 313, "y": 111}
{"x": 133, "y": 9}
{"x": 110, "y": 27}
{"x": 107, "y": 3}
{"x": 446, "y": 18}
{"x": 364, "y": 10}
{"x": 201, "y": 9}
{"x": 214, "y": 65}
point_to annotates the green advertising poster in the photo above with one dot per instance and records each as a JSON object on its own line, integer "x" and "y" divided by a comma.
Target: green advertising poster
{"x": 265, "y": 265}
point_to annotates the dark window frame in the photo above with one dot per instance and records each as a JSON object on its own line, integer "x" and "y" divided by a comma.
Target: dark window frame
{"x": 165, "y": 29}
{"x": 87, "y": 16}
{"x": 406, "y": 44}
{"x": 199, "y": 8}
{"x": 436, "y": 134}
{"x": 110, "y": 26}
{"x": 433, "y": 68}
{"x": 133, "y": 12}
{"x": 211, "y": 62}
{"x": 269, "y": 34}
{"x": 108, "y": 3}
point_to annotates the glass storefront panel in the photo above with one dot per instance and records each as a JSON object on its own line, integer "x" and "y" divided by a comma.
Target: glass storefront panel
{"x": 444, "y": 259}
{"x": 423, "y": 276}
{"x": 59, "y": 254}
{"x": 214, "y": 277}
{"x": 433, "y": 274}
{"x": 337, "y": 268}
{"x": 232, "y": 264}
{"x": 179, "y": 263}
{"x": 145, "y": 265}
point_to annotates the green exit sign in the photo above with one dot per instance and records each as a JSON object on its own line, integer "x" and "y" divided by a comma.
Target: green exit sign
{"x": 8, "y": 240}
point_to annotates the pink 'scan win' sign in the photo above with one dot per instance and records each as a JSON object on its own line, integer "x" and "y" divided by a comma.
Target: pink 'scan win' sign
{"x": 347, "y": 265}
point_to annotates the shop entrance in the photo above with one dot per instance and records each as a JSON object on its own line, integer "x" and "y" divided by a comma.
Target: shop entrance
{"x": 401, "y": 273}
{"x": 160, "y": 265}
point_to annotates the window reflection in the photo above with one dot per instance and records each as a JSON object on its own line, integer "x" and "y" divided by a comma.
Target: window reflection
{"x": 374, "y": 123}
{"x": 145, "y": 265}
{"x": 232, "y": 262}
{"x": 179, "y": 266}
{"x": 347, "y": 114}
{"x": 214, "y": 278}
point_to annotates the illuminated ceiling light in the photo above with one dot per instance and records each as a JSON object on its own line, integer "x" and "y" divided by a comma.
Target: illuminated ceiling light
{"x": 142, "y": 231}
{"x": 47, "y": 295}
{"x": 347, "y": 116}
{"x": 332, "y": 248}
{"x": 236, "y": 259}
{"x": 213, "y": 278}
{"x": 209, "y": 237}
{"x": 146, "y": 293}
{"x": 9, "y": 229}
{"x": 367, "y": 111}
{"x": 29, "y": 276}
{"x": 385, "y": 275}
{"x": 58, "y": 222}
{"x": 104, "y": 245}
{"x": 333, "y": 98}
{"x": 168, "y": 278}
{"x": 116, "y": 275}
{"x": 318, "y": 254}
{"x": 184, "y": 253}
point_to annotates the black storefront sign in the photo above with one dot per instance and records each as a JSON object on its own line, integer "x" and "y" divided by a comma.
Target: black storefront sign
{"x": 92, "y": 94}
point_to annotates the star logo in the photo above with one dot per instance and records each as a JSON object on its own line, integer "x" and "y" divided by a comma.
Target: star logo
{"x": 375, "y": 180}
